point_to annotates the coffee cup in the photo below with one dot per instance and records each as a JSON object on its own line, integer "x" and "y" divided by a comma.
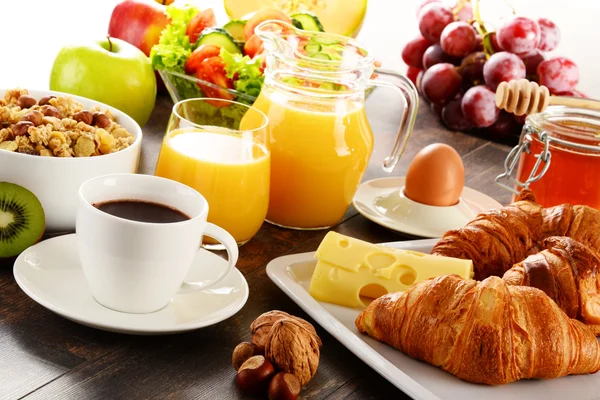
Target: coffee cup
{"x": 136, "y": 264}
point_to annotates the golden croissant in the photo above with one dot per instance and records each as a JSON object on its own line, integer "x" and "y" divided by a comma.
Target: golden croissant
{"x": 483, "y": 332}
{"x": 568, "y": 272}
{"x": 497, "y": 239}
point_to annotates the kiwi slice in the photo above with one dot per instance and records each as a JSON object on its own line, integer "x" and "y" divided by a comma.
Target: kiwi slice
{"x": 22, "y": 219}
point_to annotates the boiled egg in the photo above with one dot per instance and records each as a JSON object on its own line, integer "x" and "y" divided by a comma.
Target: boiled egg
{"x": 436, "y": 176}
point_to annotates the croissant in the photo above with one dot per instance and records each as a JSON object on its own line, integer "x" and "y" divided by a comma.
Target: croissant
{"x": 482, "y": 332}
{"x": 569, "y": 273}
{"x": 497, "y": 239}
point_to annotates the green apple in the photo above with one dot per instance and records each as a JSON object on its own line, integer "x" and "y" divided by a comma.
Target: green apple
{"x": 110, "y": 71}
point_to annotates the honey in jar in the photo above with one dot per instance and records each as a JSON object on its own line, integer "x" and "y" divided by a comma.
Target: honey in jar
{"x": 558, "y": 157}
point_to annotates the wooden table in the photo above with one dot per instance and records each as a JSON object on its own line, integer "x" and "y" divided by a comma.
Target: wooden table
{"x": 44, "y": 356}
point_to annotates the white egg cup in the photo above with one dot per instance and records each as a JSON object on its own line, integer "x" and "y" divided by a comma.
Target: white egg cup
{"x": 423, "y": 219}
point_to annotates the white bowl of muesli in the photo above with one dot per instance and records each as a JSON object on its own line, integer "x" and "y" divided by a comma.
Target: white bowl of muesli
{"x": 52, "y": 142}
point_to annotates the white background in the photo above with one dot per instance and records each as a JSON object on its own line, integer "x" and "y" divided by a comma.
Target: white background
{"x": 33, "y": 31}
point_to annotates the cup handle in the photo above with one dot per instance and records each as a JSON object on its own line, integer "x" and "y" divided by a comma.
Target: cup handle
{"x": 230, "y": 244}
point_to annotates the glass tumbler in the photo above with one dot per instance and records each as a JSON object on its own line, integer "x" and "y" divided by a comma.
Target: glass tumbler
{"x": 205, "y": 149}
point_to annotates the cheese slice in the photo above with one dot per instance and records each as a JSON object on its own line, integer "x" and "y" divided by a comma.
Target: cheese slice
{"x": 352, "y": 272}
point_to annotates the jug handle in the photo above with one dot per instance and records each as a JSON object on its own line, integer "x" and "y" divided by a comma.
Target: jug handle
{"x": 409, "y": 114}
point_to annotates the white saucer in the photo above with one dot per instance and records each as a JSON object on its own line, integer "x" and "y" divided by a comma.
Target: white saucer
{"x": 380, "y": 201}
{"x": 49, "y": 272}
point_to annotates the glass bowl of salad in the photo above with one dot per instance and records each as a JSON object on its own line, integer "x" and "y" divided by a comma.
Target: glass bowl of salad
{"x": 196, "y": 58}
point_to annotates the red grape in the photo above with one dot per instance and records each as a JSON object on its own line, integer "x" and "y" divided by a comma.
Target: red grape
{"x": 479, "y": 46}
{"x": 412, "y": 54}
{"x": 424, "y": 3}
{"x": 437, "y": 109}
{"x": 458, "y": 39}
{"x": 479, "y": 106}
{"x": 471, "y": 68}
{"x": 558, "y": 74}
{"x": 505, "y": 128}
{"x": 494, "y": 39}
{"x": 520, "y": 119}
{"x": 412, "y": 74}
{"x": 453, "y": 117}
{"x": 466, "y": 12}
{"x": 502, "y": 67}
{"x": 519, "y": 35}
{"x": 435, "y": 55}
{"x": 532, "y": 60}
{"x": 433, "y": 18}
{"x": 441, "y": 83}
{"x": 549, "y": 35}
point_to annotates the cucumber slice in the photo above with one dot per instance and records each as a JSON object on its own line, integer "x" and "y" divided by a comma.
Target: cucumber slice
{"x": 308, "y": 21}
{"x": 325, "y": 41}
{"x": 296, "y": 23}
{"x": 236, "y": 29}
{"x": 218, "y": 37}
{"x": 319, "y": 56}
{"x": 312, "y": 48}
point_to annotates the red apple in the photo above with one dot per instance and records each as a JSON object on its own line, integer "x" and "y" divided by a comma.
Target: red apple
{"x": 138, "y": 22}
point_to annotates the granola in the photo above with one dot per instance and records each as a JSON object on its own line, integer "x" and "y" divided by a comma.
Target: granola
{"x": 58, "y": 127}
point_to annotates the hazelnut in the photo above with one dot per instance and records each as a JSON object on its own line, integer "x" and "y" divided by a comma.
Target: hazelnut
{"x": 242, "y": 352}
{"x": 284, "y": 386}
{"x": 35, "y": 117}
{"x": 254, "y": 375}
{"x": 21, "y": 127}
{"x": 26, "y": 101}
{"x": 50, "y": 111}
{"x": 293, "y": 348}
{"x": 84, "y": 116}
{"x": 101, "y": 120}
{"x": 45, "y": 100}
{"x": 262, "y": 325}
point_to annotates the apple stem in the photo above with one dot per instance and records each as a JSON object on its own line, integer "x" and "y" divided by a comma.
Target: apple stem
{"x": 109, "y": 44}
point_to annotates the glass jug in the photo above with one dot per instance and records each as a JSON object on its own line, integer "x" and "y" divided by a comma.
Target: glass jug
{"x": 319, "y": 136}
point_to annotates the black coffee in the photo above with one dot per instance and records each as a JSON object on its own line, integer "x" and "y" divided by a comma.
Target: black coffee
{"x": 142, "y": 211}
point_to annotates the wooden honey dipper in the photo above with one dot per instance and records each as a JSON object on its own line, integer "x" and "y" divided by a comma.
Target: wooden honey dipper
{"x": 525, "y": 97}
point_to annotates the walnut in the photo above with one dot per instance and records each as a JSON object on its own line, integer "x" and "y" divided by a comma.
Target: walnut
{"x": 292, "y": 347}
{"x": 262, "y": 325}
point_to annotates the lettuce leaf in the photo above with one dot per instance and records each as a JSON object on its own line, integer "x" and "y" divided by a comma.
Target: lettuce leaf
{"x": 245, "y": 72}
{"x": 174, "y": 47}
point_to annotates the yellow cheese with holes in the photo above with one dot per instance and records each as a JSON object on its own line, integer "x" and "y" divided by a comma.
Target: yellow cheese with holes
{"x": 352, "y": 272}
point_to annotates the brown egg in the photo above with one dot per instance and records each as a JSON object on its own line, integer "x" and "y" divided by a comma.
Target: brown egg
{"x": 436, "y": 176}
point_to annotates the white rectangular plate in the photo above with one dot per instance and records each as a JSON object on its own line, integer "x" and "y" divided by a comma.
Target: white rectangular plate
{"x": 417, "y": 379}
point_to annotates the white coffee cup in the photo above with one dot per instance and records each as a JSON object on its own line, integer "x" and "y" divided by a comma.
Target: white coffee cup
{"x": 137, "y": 267}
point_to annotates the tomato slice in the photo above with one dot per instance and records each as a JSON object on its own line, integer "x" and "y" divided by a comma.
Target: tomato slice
{"x": 261, "y": 16}
{"x": 202, "y": 20}
{"x": 200, "y": 54}
{"x": 212, "y": 70}
{"x": 253, "y": 46}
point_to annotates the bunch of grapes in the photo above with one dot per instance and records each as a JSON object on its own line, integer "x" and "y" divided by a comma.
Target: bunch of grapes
{"x": 457, "y": 64}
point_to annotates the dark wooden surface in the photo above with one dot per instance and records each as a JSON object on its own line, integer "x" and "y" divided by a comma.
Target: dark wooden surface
{"x": 44, "y": 356}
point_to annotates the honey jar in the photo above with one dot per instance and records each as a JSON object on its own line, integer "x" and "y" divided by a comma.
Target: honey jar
{"x": 558, "y": 157}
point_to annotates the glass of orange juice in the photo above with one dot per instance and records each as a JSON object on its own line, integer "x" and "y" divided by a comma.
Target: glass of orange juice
{"x": 205, "y": 149}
